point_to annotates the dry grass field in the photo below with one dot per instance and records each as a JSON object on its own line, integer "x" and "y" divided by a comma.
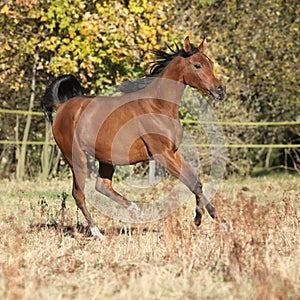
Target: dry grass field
{"x": 44, "y": 255}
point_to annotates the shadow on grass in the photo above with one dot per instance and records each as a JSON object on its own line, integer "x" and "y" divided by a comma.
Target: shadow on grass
{"x": 71, "y": 231}
{"x": 66, "y": 230}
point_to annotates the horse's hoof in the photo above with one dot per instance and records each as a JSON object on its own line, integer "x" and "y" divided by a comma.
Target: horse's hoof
{"x": 96, "y": 233}
{"x": 197, "y": 219}
{"x": 197, "y": 222}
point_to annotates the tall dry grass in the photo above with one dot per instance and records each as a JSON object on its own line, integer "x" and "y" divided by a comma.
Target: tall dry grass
{"x": 44, "y": 254}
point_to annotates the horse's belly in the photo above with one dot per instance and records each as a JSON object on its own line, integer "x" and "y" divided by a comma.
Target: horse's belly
{"x": 121, "y": 153}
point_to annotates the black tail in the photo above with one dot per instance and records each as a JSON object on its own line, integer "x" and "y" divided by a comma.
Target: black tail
{"x": 61, "y": 89}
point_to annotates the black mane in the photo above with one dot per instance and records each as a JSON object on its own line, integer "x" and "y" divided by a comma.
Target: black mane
{"x": 162, "y": 60}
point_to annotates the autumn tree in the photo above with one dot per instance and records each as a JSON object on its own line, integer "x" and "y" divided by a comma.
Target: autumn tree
{"x": 100, "y": 42}
{"x": 255, "y": 45}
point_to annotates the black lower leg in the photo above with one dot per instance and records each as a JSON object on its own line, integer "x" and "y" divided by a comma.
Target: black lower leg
{"x": 201, "y": 202}
{"x": 198, "y": 217}
{"x": 211, "y": 210}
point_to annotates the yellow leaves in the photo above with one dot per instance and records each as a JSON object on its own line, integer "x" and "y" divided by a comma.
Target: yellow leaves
{"x": 188, "y": 33}
{"x": 5, "y": 9}
{"x": 53, "y": 39}
{"x": 85, "y": 31}
{"x": 115, "y": 39}
{"x": 66, "y": 40}
{"x": 160, "y": 30}
{"x": 88, "y": 66}
{"x": 135, "y": 8}
{"x": 6, "y": 47}
{"x": 72, "y": 33}
{"x": 110, "y": 50}
{"x": 64, "y": 65}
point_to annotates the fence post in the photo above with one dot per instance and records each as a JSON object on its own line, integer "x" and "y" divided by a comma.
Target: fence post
{"x": 45, "y": 157}
{"x": 22, "y": 158}
{"x": 151, "y": 171}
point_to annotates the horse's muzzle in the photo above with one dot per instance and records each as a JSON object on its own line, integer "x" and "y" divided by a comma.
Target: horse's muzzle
{"x": 219, "y": 93}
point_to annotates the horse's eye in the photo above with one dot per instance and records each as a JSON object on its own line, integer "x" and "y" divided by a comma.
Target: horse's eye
{"x": 197, "y": 66}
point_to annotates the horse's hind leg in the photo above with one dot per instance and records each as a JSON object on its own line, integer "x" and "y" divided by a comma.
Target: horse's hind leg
{"x": 78, "y": 164}
{"x": 104, "y": 186}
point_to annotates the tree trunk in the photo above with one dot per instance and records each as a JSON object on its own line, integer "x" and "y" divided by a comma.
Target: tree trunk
{"x": 22, "y": 157}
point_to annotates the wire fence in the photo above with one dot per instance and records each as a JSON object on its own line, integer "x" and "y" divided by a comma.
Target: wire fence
{"x": 231, "y": 123}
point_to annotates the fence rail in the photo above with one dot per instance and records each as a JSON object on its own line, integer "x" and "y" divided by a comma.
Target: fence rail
{"x": 235, "y": 123}
{"x": 280, "y": 146}
{"x": 231, "y": 123}
{"x": 20, "y": 112}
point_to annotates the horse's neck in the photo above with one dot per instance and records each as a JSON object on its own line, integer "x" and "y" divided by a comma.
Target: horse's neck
{"x": 168, "y": 87}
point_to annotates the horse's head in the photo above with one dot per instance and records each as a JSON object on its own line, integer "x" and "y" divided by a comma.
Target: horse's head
{"x": 198, "y": 71}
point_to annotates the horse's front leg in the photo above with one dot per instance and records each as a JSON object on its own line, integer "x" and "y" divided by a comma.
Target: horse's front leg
{"x": 202, "y": 201}
{"x": 177, "y": 166}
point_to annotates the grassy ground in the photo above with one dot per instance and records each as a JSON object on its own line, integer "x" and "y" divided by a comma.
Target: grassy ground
{"x": 43, "y": 255}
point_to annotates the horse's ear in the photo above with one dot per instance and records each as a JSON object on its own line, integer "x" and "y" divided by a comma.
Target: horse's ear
{"x": 202, "y": 46}
{"x": 187, "y": 46}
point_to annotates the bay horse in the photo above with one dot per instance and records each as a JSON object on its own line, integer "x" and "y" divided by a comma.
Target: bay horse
{"x": 140, "y": 124}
